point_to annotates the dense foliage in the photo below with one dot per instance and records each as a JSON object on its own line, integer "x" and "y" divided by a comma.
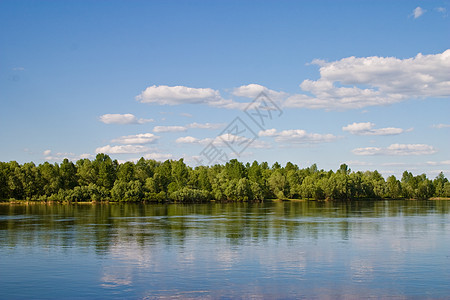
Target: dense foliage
{"x": 104, "y": 179}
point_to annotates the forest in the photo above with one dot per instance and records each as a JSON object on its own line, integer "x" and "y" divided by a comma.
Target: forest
{"x": 104, "y": 179}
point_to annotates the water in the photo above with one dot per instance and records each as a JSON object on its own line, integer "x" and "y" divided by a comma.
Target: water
{"x": 397, "y": 249}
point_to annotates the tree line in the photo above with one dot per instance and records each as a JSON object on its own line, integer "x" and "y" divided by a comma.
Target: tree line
{"x": 104, "y": 179}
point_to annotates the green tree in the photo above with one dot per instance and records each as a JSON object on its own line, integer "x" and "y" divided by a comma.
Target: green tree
{"x": 393, "y": 187}
{"x": 307, "y": 188}
{"x": 277, "y": 183}
{"x": 235, "y": 170}
{"x": 51, "y": 182}
{"x": 294, "y": 183}
{"x": 180, "y": 173}
{"x": 86, "y": 173}
{"x": 118, "y": 191}
{"x": 106, "y": 170}
{"x": 144, "y": 169}
{"x": 15, "y": 185}
{"x": 439, "y": 184}
{"x": 125, "y": 172}
{"x": 68, "y": 174}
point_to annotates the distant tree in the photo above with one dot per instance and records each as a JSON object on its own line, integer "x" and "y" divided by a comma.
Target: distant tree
{"x": 68, "y": 174}
{"x": 172, "y": 180}
{"x": 125, "y": 171}
{"x": 235, "y": 170}
{"x": 106, "y": 170}
{"x": 439, "y": 184}
{"x": 277, "y": 183}
{"x": 15, "y": 184}
{"x": 393, "y": 187}
{"x": 307, "y": 188}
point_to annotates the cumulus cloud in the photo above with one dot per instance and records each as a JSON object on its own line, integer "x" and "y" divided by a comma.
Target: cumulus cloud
{"x": 440, "y": 126}
{"x": 122, "y": 149}
{"x": 228, "y": 138}
{"x": 297, "y": 136}
{"x": 123, "y": 119}
{"x": 194, "y": 125}
{"x": 143, "y": 138}
{"x": 348, "y": 83}
{"x": 190, "y": 140}
{"x": 386, "y": 80}
{"x": 158, "y": 156}
{"x": 367, "y": 129}
{"x": 397, "y": 149}
{"x": 59, "y": 156}
{"x": 253, "y": 90}
{"x": 205, "y": 125}
{"x": 175, "y": 95}
{"x": 169, "y": 128}
{"x": 418, "y": 11}
{"x": 223, "y": 141}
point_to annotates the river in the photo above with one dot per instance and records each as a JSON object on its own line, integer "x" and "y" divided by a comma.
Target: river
{"x": 271, "y": 250}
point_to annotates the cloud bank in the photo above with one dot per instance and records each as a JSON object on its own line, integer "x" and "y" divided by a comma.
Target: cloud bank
{"x": 397, "y": 149}
{"x": 123, "y": 119}
{"x": 297, "y": 136}
{"x": 348, "y": 83}
{"x": 367, "y": 128}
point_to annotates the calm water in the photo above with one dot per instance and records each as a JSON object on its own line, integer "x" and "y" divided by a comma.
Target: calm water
{"x": 306, "y": 250}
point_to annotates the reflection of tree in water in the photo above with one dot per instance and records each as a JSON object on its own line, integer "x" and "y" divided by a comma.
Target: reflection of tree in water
{"x": 103, "y": 225}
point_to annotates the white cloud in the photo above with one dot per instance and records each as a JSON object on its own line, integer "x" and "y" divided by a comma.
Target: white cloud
{"x": 222, "y": 140}
{"x": 349, "y": 83}
{"x": 187, "y": 115}
{"x": 18, "y": 69}
{"x": 158, "y": 156}
{"x": 169, "y": 128}
{"x": 253, "y": 90}
{"x": 386, "y": 80}
{"x": 397, "y": 149}
{"x": 268, "y": 132}
{"x": 123, "y": 149}
{"x": 123, "y": 119}
{"x": 297, "y": 136}
{"x": 228, "y": 138}
{"x": 418, "y": 11}
{"x": 143, "y": 138}
{"x": 189, "y": 140}
{"x": 175, "y": 95}
{"x": 59, "y": 156}
{"x": 205, "y": 125}
{"x": 367, "y": 129}
{"x": 438, "y": 163}
{"x": 440, "y": 126}
{"x": 188, "y": 126}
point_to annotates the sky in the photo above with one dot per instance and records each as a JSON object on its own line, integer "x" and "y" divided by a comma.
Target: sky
{"x": 366, "y": 83}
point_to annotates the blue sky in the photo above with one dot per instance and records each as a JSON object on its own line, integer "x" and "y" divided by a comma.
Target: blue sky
{"x": 359, "y": 82}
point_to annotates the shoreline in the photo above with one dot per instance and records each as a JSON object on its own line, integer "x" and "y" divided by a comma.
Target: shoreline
{"x": 29, "y": 202}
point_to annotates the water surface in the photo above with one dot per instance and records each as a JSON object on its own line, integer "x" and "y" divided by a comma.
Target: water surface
{"x": 379, "y": 249}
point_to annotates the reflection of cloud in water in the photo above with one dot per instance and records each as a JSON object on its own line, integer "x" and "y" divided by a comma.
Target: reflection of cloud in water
{"x": 115, "y": 277}
{"x": 134, "y": 254}
{"x": 361, "y": 270}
